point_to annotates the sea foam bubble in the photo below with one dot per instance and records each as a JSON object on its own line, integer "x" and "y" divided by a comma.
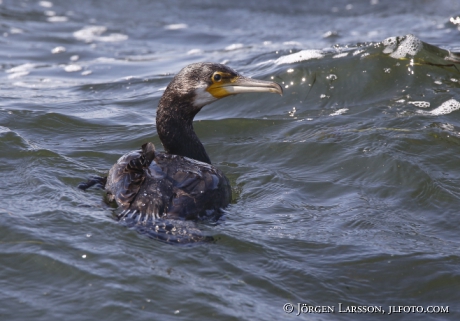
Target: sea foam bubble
{"x": 299, "y": 56}
{"x": 400, "y": 47}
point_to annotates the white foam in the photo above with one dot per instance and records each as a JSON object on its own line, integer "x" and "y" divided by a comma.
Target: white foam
{"x": 194, "y": 52}
{"x": 14, "y": 31}
{"x": 58, "y": 49}
{"x": 339, "y": 112}
{"x": 45, "y": 4}
{"x": 24, "y": 67}
{"x": 408, "y": 45}
{"x": 4, "y": 129}
{"x": 455, "y": 21}
{"x": 18, "y": 74}
{"x": 176, "y": 26}
{"x": 299, "y": 56}
{"x": 94, "y": 33}
{"x": 329, "y": 34}
{"x": 105, "y": 60}
{"x": 72, "y": 68}
{"x": 234, "y": 46}
{"x": 390, "y": 44}
{"x": 292, "y": 43}
{"x": 57, "y": 19}
{"x": 19, "y": 71}
{"x": 44, "y": 83}
{"x": 446, "y": 107}
{"x": 340, "y": 55}
{"x": 421, "y": 104}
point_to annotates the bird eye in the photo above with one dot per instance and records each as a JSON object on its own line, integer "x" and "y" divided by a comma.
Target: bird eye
{"x": 217, "y": 77}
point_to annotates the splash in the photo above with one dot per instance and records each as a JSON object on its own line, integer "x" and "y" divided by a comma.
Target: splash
{"x": 446, "y": 108}
{"x": 72, "y": 68}
{"x": 420, "y": 104}
{"x": 94, "y": 33}
{"x": 455, "y": 21}
{"x": 299, "y": 56}
{"x": 21, "y": 70}
{"x": 340, "y": 55}
{"x": 58, "y": 49}
{"x": 58, "y": 19}
{"x": 195, "y": 52}
{"x": 400, "y": 47}
{"x": 45, "y": 4}
{"x": 339, "y": 112}
{"x": 176, "y": 26}
{"x": 4, "y": 129}
{"x": 234, "y": 46}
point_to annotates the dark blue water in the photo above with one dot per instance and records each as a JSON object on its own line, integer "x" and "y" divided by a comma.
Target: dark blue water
{"x": 346, "y": 189}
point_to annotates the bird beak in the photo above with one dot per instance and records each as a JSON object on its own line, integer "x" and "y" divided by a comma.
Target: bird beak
{"x": 240, "y": 85}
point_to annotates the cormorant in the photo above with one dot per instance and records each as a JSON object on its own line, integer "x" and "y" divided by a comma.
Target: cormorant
{"x": 180, "y": 183}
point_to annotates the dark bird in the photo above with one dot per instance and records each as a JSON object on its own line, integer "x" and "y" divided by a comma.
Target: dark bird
{"x": 180, "y": 183}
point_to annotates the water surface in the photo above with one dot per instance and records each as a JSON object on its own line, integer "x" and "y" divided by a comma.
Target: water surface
{"x": 346, "y": 189}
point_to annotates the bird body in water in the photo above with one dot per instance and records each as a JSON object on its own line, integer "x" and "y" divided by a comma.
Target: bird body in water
{"x": 180, "y": 183}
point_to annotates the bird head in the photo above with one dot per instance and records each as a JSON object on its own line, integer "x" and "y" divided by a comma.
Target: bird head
{"x": 205, "y": 83}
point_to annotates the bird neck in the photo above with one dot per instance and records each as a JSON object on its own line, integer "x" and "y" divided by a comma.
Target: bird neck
{"x": 175, "y": 129}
